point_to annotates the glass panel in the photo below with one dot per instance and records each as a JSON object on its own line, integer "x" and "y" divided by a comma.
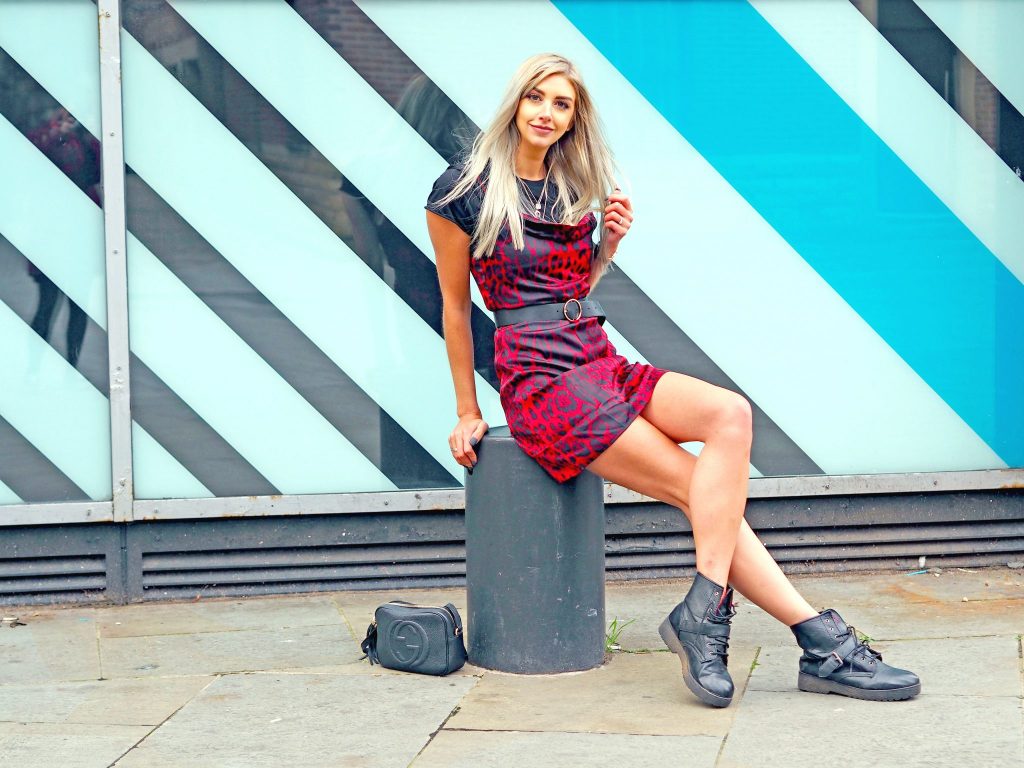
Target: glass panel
{"x": 798, "y": 245}
{"x": 305, "y": 321}
{"x": 54, "y": 407}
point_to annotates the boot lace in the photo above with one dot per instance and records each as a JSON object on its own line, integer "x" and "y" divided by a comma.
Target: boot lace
{"x": 722, "y": 615}
{"x": 862, "y": 647}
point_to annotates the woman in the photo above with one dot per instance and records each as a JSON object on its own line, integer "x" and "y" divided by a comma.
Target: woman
{"x": 517, "y": 215}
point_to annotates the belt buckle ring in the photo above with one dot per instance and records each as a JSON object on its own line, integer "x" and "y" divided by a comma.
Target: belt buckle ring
{"x": 565, "y": 310}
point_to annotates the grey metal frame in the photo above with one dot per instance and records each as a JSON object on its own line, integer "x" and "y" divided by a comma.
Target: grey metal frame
{"x": 114, "y": 229}
{"x": 454, "y": 498}
{"x": 125, "y": 507}
{"x": 57, "y": 512}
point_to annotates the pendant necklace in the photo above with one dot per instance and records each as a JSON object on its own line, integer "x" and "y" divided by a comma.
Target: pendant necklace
{"x": 538, "y": 202}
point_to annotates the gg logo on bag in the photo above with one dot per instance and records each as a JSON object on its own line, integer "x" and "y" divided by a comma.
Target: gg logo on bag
{"x": 408, "y": 642}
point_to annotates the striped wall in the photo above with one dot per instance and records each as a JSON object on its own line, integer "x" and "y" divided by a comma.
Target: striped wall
{"x": 830, "y": 219}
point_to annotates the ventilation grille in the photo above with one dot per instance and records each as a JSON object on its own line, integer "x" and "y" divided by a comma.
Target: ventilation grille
{"x": 627, "y": 556}
{"x": 53, "y": 580}
{"x": 301, "y": 569}
{"x": 833, "y": 549}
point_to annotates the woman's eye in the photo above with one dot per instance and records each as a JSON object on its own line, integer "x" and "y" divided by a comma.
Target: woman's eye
{"x": 533, "y": 96}
{"x": 562, "y": 104}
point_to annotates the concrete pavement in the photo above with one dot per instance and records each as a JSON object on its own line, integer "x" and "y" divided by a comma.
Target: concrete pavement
{"x": 277, "y": 681}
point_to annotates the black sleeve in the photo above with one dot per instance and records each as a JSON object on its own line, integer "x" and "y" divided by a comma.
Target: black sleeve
{"x": 464, "y": 211}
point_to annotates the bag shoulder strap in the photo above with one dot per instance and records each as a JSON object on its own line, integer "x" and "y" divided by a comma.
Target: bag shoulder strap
{"x": 369, "y": 645}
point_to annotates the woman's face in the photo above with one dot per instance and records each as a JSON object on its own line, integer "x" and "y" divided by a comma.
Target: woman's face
{"x": 546, "y": 111}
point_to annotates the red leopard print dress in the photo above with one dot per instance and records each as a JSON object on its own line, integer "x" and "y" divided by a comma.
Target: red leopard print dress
{"x": 566, "y": 392}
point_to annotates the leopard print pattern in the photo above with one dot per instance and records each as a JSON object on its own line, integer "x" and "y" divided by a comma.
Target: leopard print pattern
{"x": 567, "y": 394}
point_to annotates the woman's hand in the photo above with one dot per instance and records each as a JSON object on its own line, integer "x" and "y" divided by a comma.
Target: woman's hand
{"x": 467, "y": 433}
{"x": 618, "y": 216}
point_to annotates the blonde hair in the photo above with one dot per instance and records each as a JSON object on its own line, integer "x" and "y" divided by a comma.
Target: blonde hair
{"x": 580, "y": 163}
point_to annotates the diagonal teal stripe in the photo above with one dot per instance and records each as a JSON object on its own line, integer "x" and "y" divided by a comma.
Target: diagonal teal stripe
{"x": 782, "y": 138}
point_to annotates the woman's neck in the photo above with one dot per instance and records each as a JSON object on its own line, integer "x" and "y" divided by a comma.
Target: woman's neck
{"x": 530, "y": 165}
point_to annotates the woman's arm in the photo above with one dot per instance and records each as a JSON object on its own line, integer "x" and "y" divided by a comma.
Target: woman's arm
{"x": 451, "y": 250}
{"x": 618, "y": 218}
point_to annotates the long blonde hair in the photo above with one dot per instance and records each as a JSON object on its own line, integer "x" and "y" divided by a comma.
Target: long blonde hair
{"x": 580, "y": 163}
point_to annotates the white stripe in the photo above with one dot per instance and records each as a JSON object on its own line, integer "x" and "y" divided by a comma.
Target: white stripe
{"x": 990, "y": 34}
{"x": 730, "y": 281}
{"x": 54, "y": 407}
{"x": 390, "y": 162}
{"x": 907, "y": 114}
{"x": 158, "y": 475}
{"x": 190, "y": 159}
{"x": 234, "y": 390}
{"x": 334, "y": 108}
{"x": 7, "y": 496}
{"x": 291, "y": 256}
{"x": 48, "y": 239}
{"x": 28, "y": 182}
{"x": 48, "y": 219}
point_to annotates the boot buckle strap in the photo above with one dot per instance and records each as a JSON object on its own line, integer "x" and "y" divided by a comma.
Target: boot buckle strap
{"x": 706, "y": 628}
{"x": 834, "y": 661}
{"x": 830, "y": 665}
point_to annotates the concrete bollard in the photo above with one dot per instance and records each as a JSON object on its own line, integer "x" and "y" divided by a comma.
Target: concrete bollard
{"x": 534, "y": 564}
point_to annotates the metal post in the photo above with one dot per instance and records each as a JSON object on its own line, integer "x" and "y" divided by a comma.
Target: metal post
{"x": 116, "y": 258}
{"x": 534, "y": 564}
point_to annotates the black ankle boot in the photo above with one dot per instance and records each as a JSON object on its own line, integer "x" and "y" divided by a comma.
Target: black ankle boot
{"x": 697, "y": 630}
{"x": 835, "y": 661}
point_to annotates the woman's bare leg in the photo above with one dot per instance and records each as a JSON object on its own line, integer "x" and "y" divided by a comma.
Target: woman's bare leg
{"x": 710, "y": 489}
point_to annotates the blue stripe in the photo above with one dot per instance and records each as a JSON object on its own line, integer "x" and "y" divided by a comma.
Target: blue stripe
{"x": 783, "y": 139}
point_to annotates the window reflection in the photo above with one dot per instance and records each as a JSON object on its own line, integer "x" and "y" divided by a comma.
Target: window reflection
{"x": 953, "y": 76}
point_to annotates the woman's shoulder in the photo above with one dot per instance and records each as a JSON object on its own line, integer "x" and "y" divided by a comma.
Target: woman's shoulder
{"x": 464, "y": 210}
{"x": 446, "y": 182}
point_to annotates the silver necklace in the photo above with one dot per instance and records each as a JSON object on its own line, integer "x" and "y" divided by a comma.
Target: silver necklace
{"x": 538, "y": 201}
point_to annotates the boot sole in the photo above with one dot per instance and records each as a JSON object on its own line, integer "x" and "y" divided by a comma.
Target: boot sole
{"x": 668, "y": 634}
{"x": 813, "y": 684}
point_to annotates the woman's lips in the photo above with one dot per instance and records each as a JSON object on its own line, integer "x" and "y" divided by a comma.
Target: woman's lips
{"x": 542, "y": 131}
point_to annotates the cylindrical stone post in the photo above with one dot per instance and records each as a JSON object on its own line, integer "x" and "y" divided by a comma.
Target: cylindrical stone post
{"x": 534, "y": 564}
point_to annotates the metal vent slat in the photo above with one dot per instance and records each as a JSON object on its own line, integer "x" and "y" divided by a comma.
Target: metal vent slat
{"x": 817, "y": 554}
{"x": 282, "y": 588}
{"x": 46, "y": 566}
{"x": 832, "y": 537}
{"x": 305, "y": 556}
{"x": 52, "y": 584}
{"x": 264, "y": 575}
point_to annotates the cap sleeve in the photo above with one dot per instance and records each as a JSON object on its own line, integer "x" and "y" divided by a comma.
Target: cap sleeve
{"x": 464, "y": 211}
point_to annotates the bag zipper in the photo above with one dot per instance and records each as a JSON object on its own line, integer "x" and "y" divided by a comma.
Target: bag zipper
{"x": 458, "y": 631}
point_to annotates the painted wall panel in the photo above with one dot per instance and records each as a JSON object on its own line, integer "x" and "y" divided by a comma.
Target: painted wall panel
{"x": 829, "y": 214}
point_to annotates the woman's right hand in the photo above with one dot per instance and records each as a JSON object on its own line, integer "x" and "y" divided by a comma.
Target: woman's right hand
{"x": 467, "y": 433}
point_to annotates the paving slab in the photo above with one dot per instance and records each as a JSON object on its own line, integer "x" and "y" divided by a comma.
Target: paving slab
{"x": 300, "y": 721}
{"x": 639, "y": 693}
{"x": 975, "y": 666}
{"x": 938, "y": 619}
{"x": 363, "y": 668}
{"x": 808, "y": 730}
{"x": 50, "y": 647}
{"x": 210, "y": 653}
{"x": 494, "y": 749}
{"x": 67, "y": 745}
{"x": 899, "y": 587}
{"x": 650, "y": 601}
{"x": 108, "y": 702}
{"x": 218, "y": 615}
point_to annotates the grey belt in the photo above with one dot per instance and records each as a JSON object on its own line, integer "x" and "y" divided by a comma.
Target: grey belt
{"x": 571, "y": 310}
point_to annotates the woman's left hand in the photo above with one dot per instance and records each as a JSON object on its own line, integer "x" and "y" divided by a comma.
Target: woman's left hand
{"x": 618, "y": 217}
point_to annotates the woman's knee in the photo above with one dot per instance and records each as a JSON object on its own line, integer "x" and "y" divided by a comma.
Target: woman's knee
{"x": 734, "y": 419}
